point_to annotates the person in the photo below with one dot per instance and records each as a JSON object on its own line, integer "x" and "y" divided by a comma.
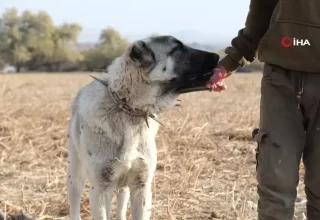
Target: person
{"x": 285, "y": 36}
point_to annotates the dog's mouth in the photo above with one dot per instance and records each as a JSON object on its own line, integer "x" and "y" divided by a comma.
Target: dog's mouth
{"x": 194, "y": 83}
{"x": 198, "y": 72}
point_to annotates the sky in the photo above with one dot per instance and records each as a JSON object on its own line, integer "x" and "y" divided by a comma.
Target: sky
{"x": 202, "y": 21}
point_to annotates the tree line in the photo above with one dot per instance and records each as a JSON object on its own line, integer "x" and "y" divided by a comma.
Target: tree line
{"x": 31, "y": 42}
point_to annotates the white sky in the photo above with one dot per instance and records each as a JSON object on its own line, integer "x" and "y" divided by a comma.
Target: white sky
{"x": 219, "y": 20}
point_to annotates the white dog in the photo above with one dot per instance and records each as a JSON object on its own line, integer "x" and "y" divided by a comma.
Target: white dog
{"x": 111, "y": 134}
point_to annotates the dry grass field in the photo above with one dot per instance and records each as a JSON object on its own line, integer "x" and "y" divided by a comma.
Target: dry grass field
{"x": 206, "y": 158}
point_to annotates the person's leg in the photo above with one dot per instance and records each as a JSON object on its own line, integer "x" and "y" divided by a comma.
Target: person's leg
{"x": 311, "y": 154}
{"x": 281, "y": 141}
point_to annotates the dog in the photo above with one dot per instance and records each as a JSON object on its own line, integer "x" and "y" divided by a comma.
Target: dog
{"x": 114, "y": 122}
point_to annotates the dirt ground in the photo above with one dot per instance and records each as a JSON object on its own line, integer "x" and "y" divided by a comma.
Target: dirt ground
{"x": 206, "y": 167}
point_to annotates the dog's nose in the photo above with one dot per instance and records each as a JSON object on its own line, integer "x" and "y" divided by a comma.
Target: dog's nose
{"x": 210, "y": 61}
{"x": 213, "y": 57}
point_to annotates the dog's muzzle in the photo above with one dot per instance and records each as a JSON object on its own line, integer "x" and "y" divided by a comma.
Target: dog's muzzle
{"x": 199, "y": 73}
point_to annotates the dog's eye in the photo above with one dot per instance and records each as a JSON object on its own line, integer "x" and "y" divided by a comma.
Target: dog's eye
{"x": 164, "y": 69}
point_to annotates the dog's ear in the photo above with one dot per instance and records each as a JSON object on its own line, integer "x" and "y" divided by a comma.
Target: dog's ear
{"x": 141, "y": 55}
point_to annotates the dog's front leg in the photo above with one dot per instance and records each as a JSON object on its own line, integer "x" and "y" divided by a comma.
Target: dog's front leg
{"x": 122, "y": 202}
{"x": 141, "y": 202}
{"x": 100, "y": 203}
{"x": 75, "y": 181}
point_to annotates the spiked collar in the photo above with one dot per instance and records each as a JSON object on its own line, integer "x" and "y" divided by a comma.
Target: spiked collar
{"x": 123, "y": 106}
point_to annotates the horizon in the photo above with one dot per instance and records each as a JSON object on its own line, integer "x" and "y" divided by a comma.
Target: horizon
{"x": 182, "y": 18}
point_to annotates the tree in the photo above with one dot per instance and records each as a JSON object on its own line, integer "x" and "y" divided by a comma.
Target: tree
{"x": 13, "y": 48}
{"x": 112, "y": 42}
{"x": 38, "y": 29}
{"x": 95, "y": 59}
{"x": 2, "y": 44}
{"x": 32, "y": 40}
{"x": 111, "y": 45}
{"x": 64, "y": 40}
{"x": 2, "y": 64}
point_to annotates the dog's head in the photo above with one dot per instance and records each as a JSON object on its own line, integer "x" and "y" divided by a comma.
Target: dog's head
{"x": 167, "y": 67}
{"x": 171, "y": 64}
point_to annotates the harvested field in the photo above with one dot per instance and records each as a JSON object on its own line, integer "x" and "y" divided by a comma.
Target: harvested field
{"x": 206, "y": 158}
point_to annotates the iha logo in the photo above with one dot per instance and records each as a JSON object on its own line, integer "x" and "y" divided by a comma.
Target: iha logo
{"x": 287, "y": 42}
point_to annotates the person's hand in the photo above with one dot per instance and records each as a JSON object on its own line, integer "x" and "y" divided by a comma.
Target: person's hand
{"x": 216, "y": 82}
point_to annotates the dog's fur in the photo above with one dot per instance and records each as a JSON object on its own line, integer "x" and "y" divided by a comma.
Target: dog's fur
{"x": 117, "y": 151}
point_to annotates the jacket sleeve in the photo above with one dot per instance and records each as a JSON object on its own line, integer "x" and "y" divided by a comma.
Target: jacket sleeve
{"x": 245, "y": 44}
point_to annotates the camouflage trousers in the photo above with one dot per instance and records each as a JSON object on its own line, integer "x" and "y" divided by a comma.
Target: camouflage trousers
{"x": 289, "y": 132}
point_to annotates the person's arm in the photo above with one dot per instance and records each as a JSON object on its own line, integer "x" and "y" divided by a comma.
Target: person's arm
{"x": 245, "y": 45}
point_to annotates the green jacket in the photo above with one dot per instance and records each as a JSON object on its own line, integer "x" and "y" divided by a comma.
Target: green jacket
{"x": 269, "y": 28}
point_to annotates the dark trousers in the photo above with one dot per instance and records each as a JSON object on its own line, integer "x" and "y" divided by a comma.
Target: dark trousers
{"x": 289, "y": 131}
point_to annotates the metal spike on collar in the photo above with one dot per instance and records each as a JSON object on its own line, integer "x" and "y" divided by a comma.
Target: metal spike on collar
{"x": 154, "y": 118}
{"x": 146, "y": 120}
{"x": 99, "y": 80}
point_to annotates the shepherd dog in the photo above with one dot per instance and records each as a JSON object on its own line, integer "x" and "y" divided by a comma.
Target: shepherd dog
{"x": 114, "y": 120}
